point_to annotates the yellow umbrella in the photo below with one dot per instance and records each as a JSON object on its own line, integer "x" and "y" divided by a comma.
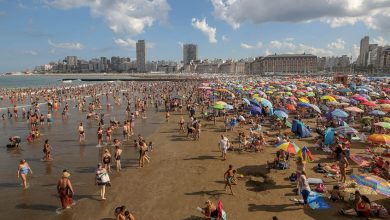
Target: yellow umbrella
{"x": 328, "y": 97}
{"x": 220, "y": 103}
{"x": 303, "y": 99}
{"x": 379, "y": 138}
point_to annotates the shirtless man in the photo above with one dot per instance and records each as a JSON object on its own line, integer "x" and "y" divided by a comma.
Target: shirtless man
{"x": 228, "y": 176}
{"x": 81, "y": 132}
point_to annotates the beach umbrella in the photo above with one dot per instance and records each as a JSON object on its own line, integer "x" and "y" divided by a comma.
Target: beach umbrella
{"x": 219, "y": 107}
{"x": 255, "y": 110}
{"x": 310, "y": 94}
{"x": 385, "y": 106}
{"x": 339, "y": 113}
{"x": 354, "y": 109}
{"x": 280, "y": 114}
{"x": 304, "y": 100}
{"x": 378, "y": 184}
{"x": 333, "y": 103}
{"x": 386, "y": 119}
{"x": 383, "y": 124}
{"x": 383, "y": 101}
{"x": 324, "y": 108}
{"x": 290, "y": 107}
{"x": 315, "y": 108}
{"x": 377, "y": 113}
{"x": 281, "y": 109}
{"x": 328, "y": 98}
{"x": 368, "y": 103}
{"x": 289, "y": 147}
{"x": 221, "y": 103}
{"x": 329, "y": 136}
{"x": 246, "y": 101}
{"x": 228, "y": 107}
{"x": 345, "y": 130}
{"x": 266, "y": 102}
{"x": 379, "y": 139}
{"x": 254, "y": 102}
{"x": 305, "y": 154}
{"x": 303, "y": 104}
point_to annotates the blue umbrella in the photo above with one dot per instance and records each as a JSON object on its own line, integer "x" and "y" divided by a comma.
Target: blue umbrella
{"x": 377, "y": 112}
{"x": 303, "y": 104}
{"x": 282, "y": 109}
{"x": 255, "y": 110}
{"x": 280, "y": 114}
{"x": 265, "y": 102}
{"x": 339, "y": 113}
{"x": 329, "y": 136}
{"x": 254, "y": 102}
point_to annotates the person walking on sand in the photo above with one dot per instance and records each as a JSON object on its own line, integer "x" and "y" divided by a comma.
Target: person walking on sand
{"x": 228, "y": 176}
{"x": 181, "y": 125}
{"x": 223, "y": 146}
{"x": 23, "y": 170}
{"x": 304, "y": 188}
{"x": 65, "y": 190}
{"x": 167, "y": 115}
{"x": 343, "y": 164}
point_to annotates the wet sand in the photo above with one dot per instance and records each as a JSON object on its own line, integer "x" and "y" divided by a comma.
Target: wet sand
{"x": 183, "y": 174}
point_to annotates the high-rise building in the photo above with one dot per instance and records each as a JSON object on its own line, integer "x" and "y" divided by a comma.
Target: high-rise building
{"x": 190, "y": 52}
{"x": 364, "y": 48}
{"x": 141, "y": 56}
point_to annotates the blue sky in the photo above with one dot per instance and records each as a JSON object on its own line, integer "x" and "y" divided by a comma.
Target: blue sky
{"x": 39, "y": 31}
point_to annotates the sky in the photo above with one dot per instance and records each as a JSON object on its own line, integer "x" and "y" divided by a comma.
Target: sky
{"x": 35, "y": 32}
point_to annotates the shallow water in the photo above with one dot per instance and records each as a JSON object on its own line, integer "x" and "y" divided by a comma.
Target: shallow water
{"x": 40, "y": 201}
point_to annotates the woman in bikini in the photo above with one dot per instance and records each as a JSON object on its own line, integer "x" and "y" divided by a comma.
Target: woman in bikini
{"x": 100, "y": 135}
{"x": 23, "y": 170}
{"x": 117, "y": 155}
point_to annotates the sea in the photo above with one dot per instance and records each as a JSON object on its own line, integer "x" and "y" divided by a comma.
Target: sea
{"x": 40, "y": 201}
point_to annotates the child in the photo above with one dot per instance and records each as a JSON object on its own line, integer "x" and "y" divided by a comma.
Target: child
{"x": 151, "y": 146}
{"x": 335, "y": 194}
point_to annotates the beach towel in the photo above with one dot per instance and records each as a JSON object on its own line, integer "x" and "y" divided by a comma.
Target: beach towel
{"x": 316, "y": 201}
{"x": 315, "y": 181}
{"x": 361, "y": 160}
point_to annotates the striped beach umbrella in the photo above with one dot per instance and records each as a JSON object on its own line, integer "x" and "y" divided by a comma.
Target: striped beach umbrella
{"x": 289, "y": 147}
{"x": 305, "y": 154}
{"x": 345, "y": 130}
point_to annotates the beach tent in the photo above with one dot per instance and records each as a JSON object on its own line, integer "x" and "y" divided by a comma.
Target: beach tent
{"x": 299, "y": 129}
{"x": 329, "y": 136}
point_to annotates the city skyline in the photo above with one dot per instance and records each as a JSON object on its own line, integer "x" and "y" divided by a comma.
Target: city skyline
{"x": 221, "y": 29}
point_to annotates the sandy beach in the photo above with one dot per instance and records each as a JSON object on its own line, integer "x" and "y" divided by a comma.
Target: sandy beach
{"x": 183, "y": 174}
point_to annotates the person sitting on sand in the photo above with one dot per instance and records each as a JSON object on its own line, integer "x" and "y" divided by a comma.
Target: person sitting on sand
{"x": 362, "y": 208}
{"x": 335, "y": 194}
{"x": 210, "y": 211}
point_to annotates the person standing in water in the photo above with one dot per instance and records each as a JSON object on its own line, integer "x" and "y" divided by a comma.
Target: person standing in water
{"x": 65, "y": 190}
{"x": 81, "y": 132}
{"x": 23, "y": 170}
{"x": 47, "y": 151}
{"x": 102, "y": 179}
{"x": 117, "y": 155}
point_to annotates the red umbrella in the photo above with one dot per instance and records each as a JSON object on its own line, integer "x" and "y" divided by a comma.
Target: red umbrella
{"x": 367, "y": 103}
{"x": 383, "y": 101}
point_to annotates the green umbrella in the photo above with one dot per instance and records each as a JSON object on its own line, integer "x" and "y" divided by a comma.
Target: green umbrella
{"x": 310, "y": 94}
{"x": 218, "y": 107}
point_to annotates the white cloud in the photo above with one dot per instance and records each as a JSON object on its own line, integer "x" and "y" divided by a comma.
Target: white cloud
{"x": 29, "y": 52}
{"x": 275, "y": 44}
{"x": 375, "y": 14}
{"x": 380, "y": 41}
{"x": 355, "y": 51}
{"x": 224, "y": 38}
{"x": 202, "y": 25}
{"x": 150, "y": 45}
{"x": 125, "y": 42}
{"x": 248, "y": 46}
{"x": 122, "y": 16}
{"x": 68, "y": 46}
{"x": 339, "y": 44}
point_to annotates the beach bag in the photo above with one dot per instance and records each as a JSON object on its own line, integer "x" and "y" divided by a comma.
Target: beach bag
{"x": 320, "y": 188}
{"x": 293, "y": 177}
{"x": 282, "y": 165}
{"x": 103, "y": 178}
